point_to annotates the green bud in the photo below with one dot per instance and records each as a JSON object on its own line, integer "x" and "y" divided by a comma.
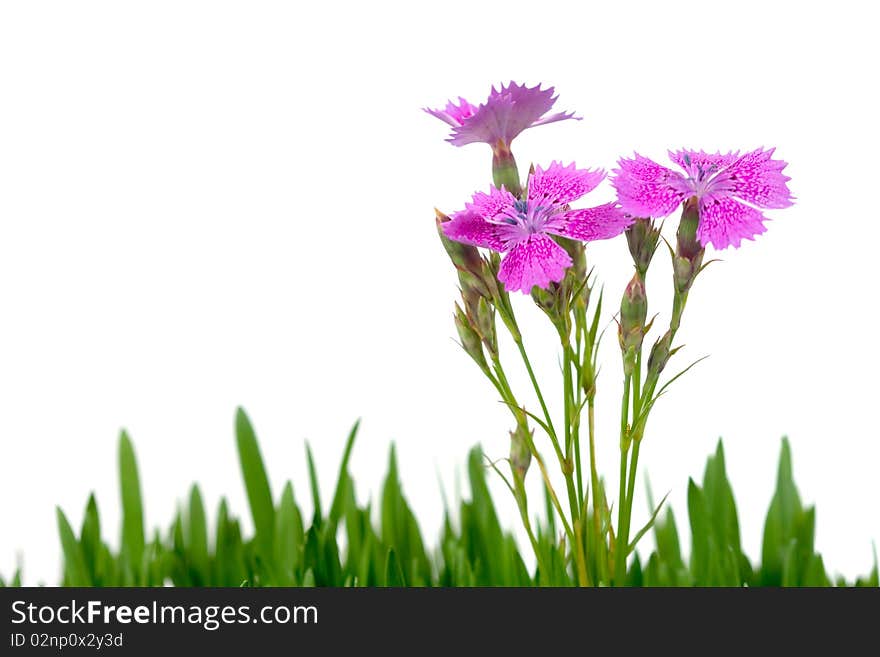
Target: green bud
{"x": 464, "y": 256}
{"x": 687, "y": 244}
{"x": 660, "y": 353}
{"x": 520, "y": 454}
{"x": 633, "y": 313}
{"x": 553, "y": 301}
{"x": 578, "y": 253}
{"x": 689, "y": 252}
{"x": 484, "y": 322}
{"x": 642, "y": 237}
{"x": 470, "y": 339}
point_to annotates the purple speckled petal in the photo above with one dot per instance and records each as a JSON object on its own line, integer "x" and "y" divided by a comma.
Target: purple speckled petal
{"x": 494, "y": 206}
{"x": 599, "y": 223}
{"x": 701, "y": 162}
{"x": 725, "y": 222}
{"x": 756, "y": 178}
{"x": 558, "y": 184}
{"x": 647, "y": 189}
{"x": 534, "y": 260}
{"x": 470, "y": 228}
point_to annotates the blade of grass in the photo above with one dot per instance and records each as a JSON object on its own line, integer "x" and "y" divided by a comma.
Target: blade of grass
{"x": 132, "y": 505}
{"x": 256, "y": 483}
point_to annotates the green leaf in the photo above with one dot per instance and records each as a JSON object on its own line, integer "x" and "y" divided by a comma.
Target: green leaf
{"x": 700, "y": 533}
{"x": 779, "y": 527}
{"x": 197, "y": 539}
{"x": 289, "y": 537}
{"x": 313, "y": 483}
{"x": 229, "y": 556}
{"x": 256, "y": 483}
{"x": 90, "y": 540}
{"x": 648, "y": 525}
{"x": 75, "y": 572}
{"x": 393, "y": 573}
{"x": 132, "y": 506}
{"x": 343, "y": 483}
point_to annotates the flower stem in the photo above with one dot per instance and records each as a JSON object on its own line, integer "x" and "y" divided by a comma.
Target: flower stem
{"x": 620, "y": 549}
{"x": 522, "y": 503}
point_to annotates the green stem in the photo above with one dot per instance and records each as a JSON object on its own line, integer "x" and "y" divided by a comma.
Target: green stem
{"x": 573, "y": 499}
{"x": 522, "y": 503}
{"x": 634, "y": 463}
{"x": 620, "y": 550}
{"x": 547, "y": 418}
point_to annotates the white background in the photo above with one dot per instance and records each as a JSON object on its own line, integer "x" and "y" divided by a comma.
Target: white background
{"x": 206, "y": 204}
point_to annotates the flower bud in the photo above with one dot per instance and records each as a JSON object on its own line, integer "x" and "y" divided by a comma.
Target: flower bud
{"x": 633, "y": 313}
{"x": 520, "y": 454}
{"x": 470, "y": 339}
{"x": 464, "y": 256}
{"x": 688, "y": 251}
{"x": 484, "y": 321}
{"x": 553, "y": 302}
{"x": 578, "y": 254}
{"x": 642, "y": 237}
{"x": 660, "y": 353}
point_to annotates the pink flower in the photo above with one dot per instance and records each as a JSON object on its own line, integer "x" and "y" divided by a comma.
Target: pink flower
{"x": 502, "y": 117}
{"x": 522, "y": 228}
{"x": 731, "y": 190}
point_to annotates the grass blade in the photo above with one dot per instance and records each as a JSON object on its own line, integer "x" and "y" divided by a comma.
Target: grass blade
{"x": 256, "y": 484}
{"x": 132, "y": 505}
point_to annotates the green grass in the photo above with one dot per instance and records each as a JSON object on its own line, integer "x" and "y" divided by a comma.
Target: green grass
{"x": 384, "y": 546}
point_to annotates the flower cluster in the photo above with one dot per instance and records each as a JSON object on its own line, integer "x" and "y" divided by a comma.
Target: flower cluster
{"x": 730, "y": 191}
{"x": 535, "y": 237}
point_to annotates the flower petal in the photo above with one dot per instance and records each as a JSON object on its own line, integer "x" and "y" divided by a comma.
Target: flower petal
{"x": 725, "y": 222}
{"x": 506, "y": 114}
{"x": 701, "y": 162}
{"x": 497, "y": 205}
{"x": 558, "y": 184}
{"x": 647, "y": 189}
{"x": 599, "y": 223}
{"x": 454, "y": 113}
{"x": 757, "y": 178}
{"x": 534, "y": 260}
{"x": 470, "y": 228}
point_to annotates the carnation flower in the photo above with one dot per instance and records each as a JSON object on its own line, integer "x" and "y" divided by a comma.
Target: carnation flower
{"x": 731, "y": 190}
{"x": 522, "y": 229}
{"x": 502, "y": 117}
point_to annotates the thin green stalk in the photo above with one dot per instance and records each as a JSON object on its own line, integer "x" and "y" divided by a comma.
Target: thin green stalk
{"x": 594, "y": 472}
{"x": 573, "y": 499}
{"x": 534, "y": 380}
{"x": 522, "y": 503}
{"x": 633, "y": 466}
{"x": 620, "y": 550}
{"x": 503, "y": 387}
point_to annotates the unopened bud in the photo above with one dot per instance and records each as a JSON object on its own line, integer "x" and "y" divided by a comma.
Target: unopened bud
{"x": 464, "y": 256}
{"x": 633, "y": 313}
{"x": 470, "y": 340}
{"x": 642, "y": 237}
{"x": 485, "y": 325}
{"x": 634, "y": 310}
{"x": 660, "y": 353}
{"x": 553, "y": 302}
{"x": 578, "y": 253}
{"x": 688, "y": 251}
{"x": 545, "y": 299}
{"x": 520, "y": 454}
